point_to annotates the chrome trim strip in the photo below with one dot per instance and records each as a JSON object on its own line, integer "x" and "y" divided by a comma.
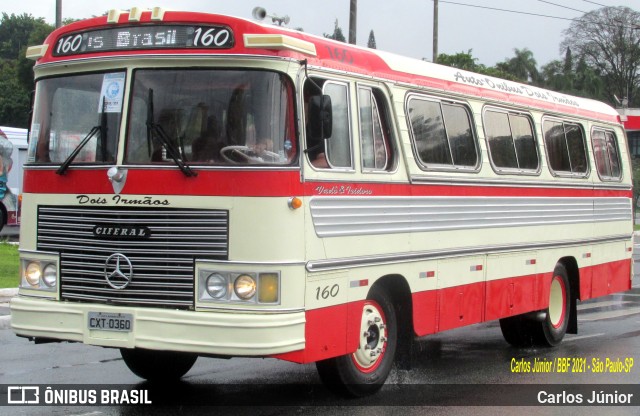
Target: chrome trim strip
{"x": 458, "y": 181}
{"x": 354, "y": 262}
{"x": 37, "y": 252}
{"x": 275, "y": 311}
{"x": 269, "y": 263}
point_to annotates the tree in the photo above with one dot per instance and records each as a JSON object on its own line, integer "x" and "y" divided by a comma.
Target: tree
{"x": 337, "y": 33}
{"x": 461, "y": 60}
{"x": 14, "y": 101}
{"x": 16, "y": 71}
{"x": 608, "y": 41}
{"x": 522, "y": 66}
{"x": 466, "y": 61}
{"x": 371, "y": 43}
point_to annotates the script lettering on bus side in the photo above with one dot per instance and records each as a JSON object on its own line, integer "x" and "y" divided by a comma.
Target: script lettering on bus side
{"x": 512, "y": 88}
{"x": 342, "y": 190}
{"x": 120, "y": 200}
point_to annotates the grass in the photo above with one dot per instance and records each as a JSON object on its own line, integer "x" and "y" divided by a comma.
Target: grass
{"x": 9, "y": 266}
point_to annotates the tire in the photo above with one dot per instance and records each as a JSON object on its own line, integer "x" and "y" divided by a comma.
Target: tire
{"x": 517, "y": 331}
{"x": 524, "y": 331}
{"x": 554, "y": 327}
{"x": 158, "y": 366}
{"x": 364, "y": 372}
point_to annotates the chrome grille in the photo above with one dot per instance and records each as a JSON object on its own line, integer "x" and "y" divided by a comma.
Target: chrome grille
{"x": 162, "y": 262}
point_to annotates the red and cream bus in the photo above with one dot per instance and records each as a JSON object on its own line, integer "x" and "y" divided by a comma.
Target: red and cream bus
{"x": 203, "y": 185}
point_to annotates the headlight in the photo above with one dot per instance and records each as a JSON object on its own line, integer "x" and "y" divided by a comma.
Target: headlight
{"x": 245, "y": 287}
{"x": 217, "y": 286}
{"x": 32, "y": 273}
{"x": 50, "y": 275}
{"x": 239, "y": 287}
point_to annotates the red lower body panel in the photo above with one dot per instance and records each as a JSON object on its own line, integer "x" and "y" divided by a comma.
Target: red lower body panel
{"x": 334, "y": 331}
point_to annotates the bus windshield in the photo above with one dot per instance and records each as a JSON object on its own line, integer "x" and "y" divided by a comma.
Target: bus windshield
{"x": 77, "y": 113}
{"x": 212, "y": 117}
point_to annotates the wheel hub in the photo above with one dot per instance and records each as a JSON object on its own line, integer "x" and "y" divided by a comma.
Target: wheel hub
{"x": 373, "y": 338}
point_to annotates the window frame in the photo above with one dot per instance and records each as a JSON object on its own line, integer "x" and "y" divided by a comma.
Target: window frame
{"x": 351, "y": 167}
{"x": 510, "y": 170}
{"x": 605, "y": 130}
{"x": 563, "y": 121}
{"x": 432, "y": 167}
{"x": 385, "y": 121}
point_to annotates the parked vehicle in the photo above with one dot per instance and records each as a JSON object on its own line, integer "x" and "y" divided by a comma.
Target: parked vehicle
{"x": 13, "y": 153}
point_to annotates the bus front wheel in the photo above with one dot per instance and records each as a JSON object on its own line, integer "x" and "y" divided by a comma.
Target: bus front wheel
{"x": 158, "y": 365}
{"x": 365, "y": 371}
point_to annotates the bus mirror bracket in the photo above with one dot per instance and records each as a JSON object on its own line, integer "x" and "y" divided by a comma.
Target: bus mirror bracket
{"x": 320, "y": 116}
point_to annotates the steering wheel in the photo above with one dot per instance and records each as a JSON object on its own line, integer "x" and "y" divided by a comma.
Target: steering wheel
{"x": 231, "y": 154}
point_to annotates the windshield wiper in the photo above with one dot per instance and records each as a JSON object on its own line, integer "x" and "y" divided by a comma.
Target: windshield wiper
{"x": 101, "y": 128}
{"x": 154, "y": 129}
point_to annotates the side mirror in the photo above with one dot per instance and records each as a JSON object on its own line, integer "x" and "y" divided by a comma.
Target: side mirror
{"x": 320, "y": 117}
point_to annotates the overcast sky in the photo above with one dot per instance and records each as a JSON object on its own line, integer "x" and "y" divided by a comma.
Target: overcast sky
{"x": 401, "y": 26}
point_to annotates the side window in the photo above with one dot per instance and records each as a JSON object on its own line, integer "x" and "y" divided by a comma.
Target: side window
{"x": 374, "y": 138}
{"x": 442, "y": 133}
{"x": 339, "y": 144}
{"x": 512, "y": 144}
{"x": 605, "y": 151}
{"x": 565, "y": 145}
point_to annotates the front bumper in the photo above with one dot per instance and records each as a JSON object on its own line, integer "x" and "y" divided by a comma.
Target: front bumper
{"x": 211, "y": 332}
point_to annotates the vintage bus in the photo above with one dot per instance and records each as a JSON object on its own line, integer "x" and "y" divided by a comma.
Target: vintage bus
{"x": 203, "y": 185}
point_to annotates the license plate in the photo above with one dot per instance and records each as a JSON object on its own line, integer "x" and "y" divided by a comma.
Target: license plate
{"x": 119, "y": 322}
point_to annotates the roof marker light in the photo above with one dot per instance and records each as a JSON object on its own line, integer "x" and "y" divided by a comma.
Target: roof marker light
{"x": 135, "y": 14}
{"x": 36, "y": 52}
{"x": 113, "y": 16}
{"x": 279, "y": 42}
{"x": 157, "y": 13}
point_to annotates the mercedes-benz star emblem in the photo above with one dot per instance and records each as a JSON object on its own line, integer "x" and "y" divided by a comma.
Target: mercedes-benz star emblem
{"x": 118, "y": 271}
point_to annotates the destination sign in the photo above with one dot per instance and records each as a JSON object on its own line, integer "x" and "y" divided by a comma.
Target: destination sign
{"x": 144, "y": 37}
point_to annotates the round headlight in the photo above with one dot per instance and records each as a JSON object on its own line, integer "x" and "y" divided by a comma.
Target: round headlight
{"x": 245, "y": 287}
{"x": 50, "y": 275}
{"x": 32, "y": 273}
{"x": 217, "y": 286}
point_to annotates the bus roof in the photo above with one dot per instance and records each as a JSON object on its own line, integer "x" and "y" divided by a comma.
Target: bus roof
{"x": 253, "y": 38}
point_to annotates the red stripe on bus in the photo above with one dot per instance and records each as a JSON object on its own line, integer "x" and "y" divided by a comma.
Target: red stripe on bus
{"x": 271, "y": 183}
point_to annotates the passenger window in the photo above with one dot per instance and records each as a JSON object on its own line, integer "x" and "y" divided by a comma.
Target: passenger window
{"x": 442, "y": 133}
{"x": 605, "y": 151}
{"x": 512, "y": 144}
{"x": 374, "y": 142}
{"x": 565, "y": 146}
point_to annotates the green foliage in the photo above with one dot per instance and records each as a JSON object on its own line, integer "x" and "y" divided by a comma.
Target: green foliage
{"x": 466, "y": 61}
{"x": 608, "y": 41}
{"x": 337, "y": 33}
{"x": 14, "y": 101}
{"x": 371, "y": 43}
{"x": 9, "y": 266}
{"x": 16, "y": 71}
{"x": 522, "y": 66}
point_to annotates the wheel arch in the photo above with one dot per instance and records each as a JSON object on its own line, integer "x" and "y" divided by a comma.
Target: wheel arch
{"x": 400, "y": 291}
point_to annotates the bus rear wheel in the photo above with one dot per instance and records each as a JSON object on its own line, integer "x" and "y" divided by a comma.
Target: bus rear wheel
{"x": 554, "y": 327}
{"x": 365, "y": 371}
{"x": 525, "y": 331}
{"x": 158, "y": 366}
